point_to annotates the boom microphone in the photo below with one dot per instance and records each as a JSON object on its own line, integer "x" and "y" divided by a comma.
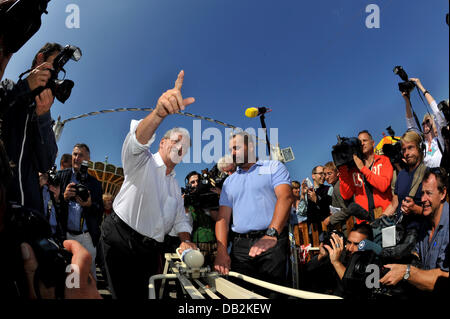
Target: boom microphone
{"x": 256, "y": 111}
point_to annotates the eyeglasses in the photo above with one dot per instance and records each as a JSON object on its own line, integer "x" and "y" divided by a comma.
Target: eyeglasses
{"x": 427, "y": 122}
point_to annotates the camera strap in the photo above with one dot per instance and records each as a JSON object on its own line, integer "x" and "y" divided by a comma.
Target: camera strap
{"x": 369, "y": 194}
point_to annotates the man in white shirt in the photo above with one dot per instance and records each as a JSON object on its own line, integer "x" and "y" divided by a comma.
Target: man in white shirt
{"x": 149, "y": 204}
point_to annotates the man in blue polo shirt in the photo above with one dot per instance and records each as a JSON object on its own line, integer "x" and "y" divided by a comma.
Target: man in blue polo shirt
{"x": 258, "y": 197}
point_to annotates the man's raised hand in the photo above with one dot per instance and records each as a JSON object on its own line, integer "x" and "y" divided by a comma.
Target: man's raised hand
{"x": 171, "y": 101}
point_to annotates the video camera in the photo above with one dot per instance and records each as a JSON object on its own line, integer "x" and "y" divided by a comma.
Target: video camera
{"x": 407, "y": 86}
{"x": 394, "y": 151}
{"x": 28, "y": 226}
{"x": 202, "y": 196}
{"x": 22, "y": 19}
{"x": 370, "y": 253}
{"x": 343, "y": 151}
{"x": 81, "y": 189}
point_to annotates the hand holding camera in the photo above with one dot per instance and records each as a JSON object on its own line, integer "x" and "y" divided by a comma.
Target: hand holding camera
{"x": 39, "y": 76}
{"x": 337, "y": 246}
{"x": 358, "y": 162}
{"x": 79, "y": 193}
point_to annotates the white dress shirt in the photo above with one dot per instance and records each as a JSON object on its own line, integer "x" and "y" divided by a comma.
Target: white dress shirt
{"x": 149, "y": 201}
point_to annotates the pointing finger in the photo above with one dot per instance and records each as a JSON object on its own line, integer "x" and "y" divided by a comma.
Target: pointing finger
{"x": 179, "y": 81}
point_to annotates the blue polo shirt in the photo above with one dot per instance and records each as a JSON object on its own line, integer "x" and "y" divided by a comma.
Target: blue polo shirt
{"x": 433, "y": 252}
{"x": 251, "y": 195}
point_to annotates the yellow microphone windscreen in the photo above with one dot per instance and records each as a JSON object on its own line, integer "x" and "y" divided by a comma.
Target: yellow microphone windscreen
{"x": 251, "y": 112}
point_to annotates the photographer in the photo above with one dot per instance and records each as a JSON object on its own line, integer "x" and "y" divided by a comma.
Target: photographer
{"x": 50, "y": 195}
{"x": 333, "y": 252}
{"x": 406, "y": 201}
{"x": 203, "y": 221}
{"x": 369, "y": 182}
{"x": 431, "y": 124}
{"x": 432, "y": 247}
{"x": 338, "y": 218}
{"x": 80, "y": 218}
{"x": 27, "y": 131}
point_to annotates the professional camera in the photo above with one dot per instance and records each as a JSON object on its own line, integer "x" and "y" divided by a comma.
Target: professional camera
{"x": 81, "y": 189}
{"x": 22, "y": 19}
{"x": 443, "y": 106}
{"x": 52, "y": 177}
{"x": 407, "y": 86}
{"x": 394, "y": 151}
{"x": 61, "y": 89}
{"x": 325, "y": 237}
{"x": 31, "y": 227}
{"x": 202, "y": 196}
{"x": 343, "y": 151}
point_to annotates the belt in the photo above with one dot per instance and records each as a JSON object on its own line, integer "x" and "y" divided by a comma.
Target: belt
{"x": 250, "y": 235}
{"x": 147, "y": 241}
{"x": 76, "y": 233}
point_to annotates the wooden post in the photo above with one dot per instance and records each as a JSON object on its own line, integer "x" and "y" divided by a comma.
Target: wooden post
{"x": 303, "y": 229}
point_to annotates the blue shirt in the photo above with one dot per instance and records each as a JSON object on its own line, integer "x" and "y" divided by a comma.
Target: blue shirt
{"x": 75, "y": 209}
{"x": 432, "y": 253}
{"x": 251, "y": 195}
{"x": 52, "y": 219}
{"x": 403, "y": 187}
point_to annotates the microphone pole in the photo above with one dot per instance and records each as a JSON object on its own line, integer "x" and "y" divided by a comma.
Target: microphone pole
{"x": 263, "y": 124}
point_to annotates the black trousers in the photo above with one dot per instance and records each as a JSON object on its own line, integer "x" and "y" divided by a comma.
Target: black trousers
{"x": 130, "y": 259}
{"x": 270, "y": 266}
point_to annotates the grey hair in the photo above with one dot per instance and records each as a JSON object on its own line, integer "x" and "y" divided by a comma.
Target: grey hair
{"x": 224, "y": 162}
{"x": 179, "y": 130}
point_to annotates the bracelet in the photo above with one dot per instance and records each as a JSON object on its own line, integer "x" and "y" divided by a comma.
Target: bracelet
{"x": 186, "y": 241}
{"x": 426, "y": 91}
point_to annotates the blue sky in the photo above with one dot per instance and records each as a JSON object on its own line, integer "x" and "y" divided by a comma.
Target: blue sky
{"x": 315, "y": 63}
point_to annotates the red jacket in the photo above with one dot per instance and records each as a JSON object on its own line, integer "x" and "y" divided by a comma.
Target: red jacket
{"x": 379, "y": 177}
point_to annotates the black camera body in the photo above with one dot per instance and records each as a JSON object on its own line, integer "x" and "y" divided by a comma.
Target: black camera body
{"x": 81, "y": 189}
{"x": 326, "y": 236}
{"x": 31, "y": 227}
{"x": 407, "y": 86}
{"x": 22, "y": 19}
{"x": 394, "y": 151}
{"x": 202, "y": 196}
{"x": 343, "y": 151}
{"x": 61, "y": 89}
{"x": 53, "y": 178}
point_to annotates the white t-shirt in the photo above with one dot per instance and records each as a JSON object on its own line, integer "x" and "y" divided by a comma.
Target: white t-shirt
{"x": 149, "y": 201}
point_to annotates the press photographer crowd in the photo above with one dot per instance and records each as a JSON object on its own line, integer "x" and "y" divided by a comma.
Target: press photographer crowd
{"x": 373, "y": 224}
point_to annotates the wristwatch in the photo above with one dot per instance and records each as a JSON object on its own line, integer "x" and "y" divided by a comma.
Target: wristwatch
{"x": 272, "y": 232}
{"x": 406, "y": 276}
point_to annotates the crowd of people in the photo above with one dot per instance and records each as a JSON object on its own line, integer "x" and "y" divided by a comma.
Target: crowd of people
{"x": 247, "y": 229}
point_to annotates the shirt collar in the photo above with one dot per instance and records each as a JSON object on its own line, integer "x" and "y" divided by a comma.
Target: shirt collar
{"x": 444, "y": 215}
{"x": 159, "y": 162}
{"x": 240, "y": 170}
